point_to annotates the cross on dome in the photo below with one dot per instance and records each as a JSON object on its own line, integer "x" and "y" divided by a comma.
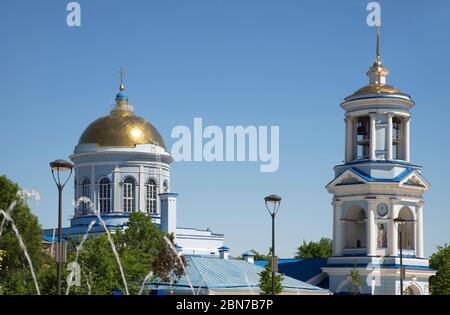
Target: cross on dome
{"x": 121, "y": 73}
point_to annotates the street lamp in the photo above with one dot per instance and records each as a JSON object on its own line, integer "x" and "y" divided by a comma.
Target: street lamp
{"x": 401, "y": 221}
{"x": 272, "y": 205}
{"x": 58, "y": 167}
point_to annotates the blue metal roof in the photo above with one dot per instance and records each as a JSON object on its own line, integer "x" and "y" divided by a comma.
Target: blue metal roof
{"x": 248, "y": 253}
{"x": 50, "y": 238}
{"x": 300, "y": 269}
{"x": 216, "y": 273}
{"x": 369, "y": 178}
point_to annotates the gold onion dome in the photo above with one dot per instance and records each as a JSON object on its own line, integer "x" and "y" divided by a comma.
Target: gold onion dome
{"x": 377, "y": 78}
{"x": 121, "y": 128}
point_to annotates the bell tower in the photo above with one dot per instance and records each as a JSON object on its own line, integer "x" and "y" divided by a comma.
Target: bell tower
{"x": 378, "y": 194}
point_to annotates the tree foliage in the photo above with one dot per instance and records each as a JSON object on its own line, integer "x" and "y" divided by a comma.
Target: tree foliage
{"x": 1, "y": 258}
{"x": 354, "y": 281}
{"x": 142, "y": 249}
{"x": 440, "y": 261}
{"x": 260, "y": 256}
{"x": 15, "y": 275}
{"x": 321, "y": 249}
{"x": 265, "y": 281}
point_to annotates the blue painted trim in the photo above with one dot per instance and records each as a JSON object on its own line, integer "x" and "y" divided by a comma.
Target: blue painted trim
{"x": 394, "y": 162}
{"x": 368, "y": 178}
{"x": 372, "y": 96}
{"x": 386, "y": 266}
{"x": 168, "y": 194}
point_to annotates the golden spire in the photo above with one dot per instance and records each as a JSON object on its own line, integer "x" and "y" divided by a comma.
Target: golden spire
{"x": 377, "y": 73}
{"x": 378, "y": 60}
{"x": 121, "y": 73}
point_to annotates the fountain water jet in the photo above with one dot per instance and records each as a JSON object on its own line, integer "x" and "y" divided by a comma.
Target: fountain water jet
{"x": 9, "y": 211}
{"x": 148, "y": 276}
{"x": 181, "y": 262}
{"x": 24, "y": 248}
{"x": 108, "y": 233}
{"x": 248, "y": 284}
{"x": 79, "y": 247}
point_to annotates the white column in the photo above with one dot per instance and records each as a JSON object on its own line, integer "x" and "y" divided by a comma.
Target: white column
{"x": 393, "y": 232}
{"x": 419, "y": 230}
{"x": 337, "y": 228}
{"x": 348, "y": 139}
{"x": 371, "y": 228}
{"x": 93, "y": 197}
{"x": 77, "y": 180}
{"x": 407, "y": 140}
{"x": 389, "y": 135}
{"x": 354, "y": 135}
{"x": 141, "y": 189}
{"x": 373, "y": 137}
{"x": 116, "y": 187}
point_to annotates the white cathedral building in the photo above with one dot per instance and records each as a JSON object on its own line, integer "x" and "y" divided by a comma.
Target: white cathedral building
{"x": 377, "y": 184}
{"x": 122, "y": 165}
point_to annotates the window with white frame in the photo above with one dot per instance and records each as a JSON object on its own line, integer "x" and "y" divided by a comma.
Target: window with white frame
{"x": 104, "y": 196}
{"x": 85, "y": 192}
{"x": 151, "y": 191}
{"x": 129, "y": 189}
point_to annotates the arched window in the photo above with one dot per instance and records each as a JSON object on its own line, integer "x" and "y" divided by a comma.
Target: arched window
{"x": 129, "y": 190}
{"x": 104, "y": 196}
{"x": 151, "y": 191}
{"x": 355, "y": 228}
{"x": 85, "y": 192}
{"x": 166, "y": 186}
{"x": 406, "y": 229}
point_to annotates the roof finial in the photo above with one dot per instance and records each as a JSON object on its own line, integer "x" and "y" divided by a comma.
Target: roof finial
{"x": 378, "y": 60}
{"x": 121, "y": 73}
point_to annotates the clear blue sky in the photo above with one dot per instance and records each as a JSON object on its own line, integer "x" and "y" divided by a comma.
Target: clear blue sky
{"x": 235, "y": 62}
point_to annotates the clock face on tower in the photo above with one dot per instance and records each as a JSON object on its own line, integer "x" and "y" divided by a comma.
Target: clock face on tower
{"x": 382, "y": 209}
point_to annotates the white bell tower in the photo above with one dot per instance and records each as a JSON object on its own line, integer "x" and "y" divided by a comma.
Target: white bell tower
{"x": 376, "y": 185}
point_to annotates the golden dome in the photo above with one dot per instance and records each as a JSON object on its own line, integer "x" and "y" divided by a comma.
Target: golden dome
{"x": 377, "y": 78}
{"x": 377, "y": 89}
{"x": 121, "y": 129}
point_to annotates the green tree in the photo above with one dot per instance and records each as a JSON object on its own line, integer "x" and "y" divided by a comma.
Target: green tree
{"x": 99, "y": 269}
{"x": 440, "y": 261}
{"x": 259, "y": 256}
{"x": 141, "y": 247}
{"x": 167, "y": 266}
{"x": 15, "y": 275}
{"x": 1, "y": 258}
{"x": 354, "y": 282}
{"x": 321, "y": 249}
{"x": 265, "y": 280}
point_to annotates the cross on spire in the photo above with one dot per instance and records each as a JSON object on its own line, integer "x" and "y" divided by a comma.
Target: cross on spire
{"x": 121, "y": 73}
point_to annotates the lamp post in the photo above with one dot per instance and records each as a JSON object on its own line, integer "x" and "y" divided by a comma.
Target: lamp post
{"x": 401, "y": 221}
{"x": 58, "y": 167}
{"x": 273, "y": 204}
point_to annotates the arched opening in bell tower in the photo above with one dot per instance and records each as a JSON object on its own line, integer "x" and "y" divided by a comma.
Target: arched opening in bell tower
{"x": 363, "y": 138}
{"x": 397, "y": 141}
{"x": 355, "y": 228}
